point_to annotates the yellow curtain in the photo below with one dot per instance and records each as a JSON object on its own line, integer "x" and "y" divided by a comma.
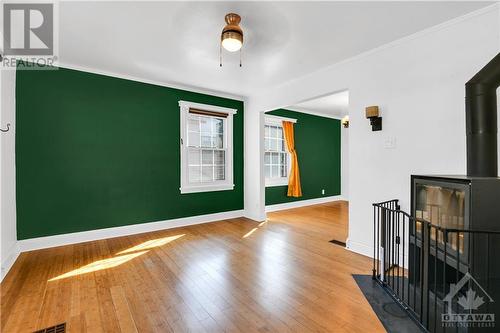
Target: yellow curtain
{"x": 294, "y": 189}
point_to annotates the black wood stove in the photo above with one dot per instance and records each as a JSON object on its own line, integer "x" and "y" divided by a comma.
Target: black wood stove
{"x": 464, "y": 204}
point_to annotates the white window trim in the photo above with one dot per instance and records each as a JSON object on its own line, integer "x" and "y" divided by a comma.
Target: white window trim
{"x": 273, "y": 182}
{"x": 222, "y": 185}
{"x": 277, "y": 120}
{"x": 274, "y": 121}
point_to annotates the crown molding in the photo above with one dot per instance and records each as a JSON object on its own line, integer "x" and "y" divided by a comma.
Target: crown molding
{"x": 314, "y": 113}
{"x": 166, "y": 84}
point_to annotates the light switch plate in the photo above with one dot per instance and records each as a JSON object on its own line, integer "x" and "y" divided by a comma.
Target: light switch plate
{"x": 390, "y": 143}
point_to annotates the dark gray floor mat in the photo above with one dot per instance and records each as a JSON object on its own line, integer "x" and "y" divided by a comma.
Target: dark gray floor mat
{"x": 389, "y": 313}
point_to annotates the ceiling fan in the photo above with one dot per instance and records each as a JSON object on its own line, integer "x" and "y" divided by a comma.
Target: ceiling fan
{"x": 231, "y": 36}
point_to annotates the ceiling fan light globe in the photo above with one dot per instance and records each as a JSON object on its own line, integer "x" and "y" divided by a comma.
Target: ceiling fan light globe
{"x": 232, "y": 44}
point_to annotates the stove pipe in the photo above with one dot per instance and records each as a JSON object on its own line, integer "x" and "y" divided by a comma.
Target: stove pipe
{"x": 481, "y": 120}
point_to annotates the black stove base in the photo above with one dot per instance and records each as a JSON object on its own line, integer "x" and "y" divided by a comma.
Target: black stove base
{"x": 388, "y": 312}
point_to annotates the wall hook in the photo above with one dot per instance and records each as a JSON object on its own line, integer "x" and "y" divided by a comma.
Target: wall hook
{"x": 6, "y": 130}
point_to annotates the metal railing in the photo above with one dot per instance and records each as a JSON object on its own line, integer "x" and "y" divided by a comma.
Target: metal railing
{"x": 427, "y": 268}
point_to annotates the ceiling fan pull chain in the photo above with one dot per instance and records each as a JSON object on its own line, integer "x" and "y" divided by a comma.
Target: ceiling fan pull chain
{"x": 220, "y": 55}
{"x": 240, "y": 57}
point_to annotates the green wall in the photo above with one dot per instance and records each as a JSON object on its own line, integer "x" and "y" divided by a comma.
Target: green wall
{"x": 94, "y": 151}
{"x": 317, "y": 141}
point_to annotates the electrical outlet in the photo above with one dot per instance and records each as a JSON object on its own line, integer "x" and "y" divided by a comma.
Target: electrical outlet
{"x": 323, "y": 191}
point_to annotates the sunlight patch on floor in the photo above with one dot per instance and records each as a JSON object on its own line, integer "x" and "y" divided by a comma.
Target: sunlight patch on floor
{"x": 250, "y": 232}
{"x": 120, "y": 258}
{"x": 261, "y": 224}
{"x": 151, "y": 244}
{"x": 99, "y": 265}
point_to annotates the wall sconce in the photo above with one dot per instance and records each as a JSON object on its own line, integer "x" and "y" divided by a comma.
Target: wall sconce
{"x": 372, "y": 113}
{"x": 345, "y": 122}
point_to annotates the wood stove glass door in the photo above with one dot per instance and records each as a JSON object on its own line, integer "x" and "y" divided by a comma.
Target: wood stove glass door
{"x": 443, "y": 204}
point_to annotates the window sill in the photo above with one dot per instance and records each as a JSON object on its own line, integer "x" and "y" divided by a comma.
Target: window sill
{"x": 206, "y": 188}
{"x": 276, "y": 182}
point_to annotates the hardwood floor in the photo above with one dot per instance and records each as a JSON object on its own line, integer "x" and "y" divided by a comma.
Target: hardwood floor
{"x": 234, "y": 275}
{"x": 326, "y": 221}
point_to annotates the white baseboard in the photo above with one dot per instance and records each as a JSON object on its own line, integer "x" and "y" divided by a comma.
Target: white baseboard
{"x": 360, "y": 248}
{"x": 302, "y": 203}
{"x": 367, "y": 250}
{"x": 8, "y": 260}
{"x": 255, "y": 216}
{"x": 86, "y": 236}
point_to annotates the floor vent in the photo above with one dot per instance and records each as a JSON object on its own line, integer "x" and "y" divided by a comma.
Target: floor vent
{"x": 336, "y": 242}
{"x": 60, "y": 328}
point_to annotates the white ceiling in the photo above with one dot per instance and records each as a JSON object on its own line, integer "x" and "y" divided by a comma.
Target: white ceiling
{"x": 178, "y": 42}
{"x": 335, "y": 105}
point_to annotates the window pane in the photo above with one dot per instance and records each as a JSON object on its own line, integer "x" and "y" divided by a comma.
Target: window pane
{"x": 272, "y": 144}
{"x": 283, "y": 171}
{"x": 194, "y": 157}
{"x": 267, "y": 158}
{"x": 275, "y": 158}
{"x": 266, "y": 131}
{"x": 273, "y": 132}
{"x": 219, "y": 125}
{"x": 194, "y": 174}
{"x": 193, "y": 124}
{"x": 207, "y": 157}
{"x": 282, "y": 145}
{"x": 218, "y": 141}
{"x": 267, "y": 144}
{"x": 193, "y": 139}
{"x": 282, "y": 158}
{"x": 207, "y": 173}
{"x": 206, "y": 141}
{"x": 280, "y": 132}
{"x": 206, "y": 124}
{"x": 274, "y": 171}
{"x": 268, "y": 171}
{"x": 219, "y": 158}
{"x": 219, "y": 173}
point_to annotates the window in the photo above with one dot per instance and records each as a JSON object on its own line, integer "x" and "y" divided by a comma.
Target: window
{"x": 206, "y": 147}
{"x": 276, "y": 156}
